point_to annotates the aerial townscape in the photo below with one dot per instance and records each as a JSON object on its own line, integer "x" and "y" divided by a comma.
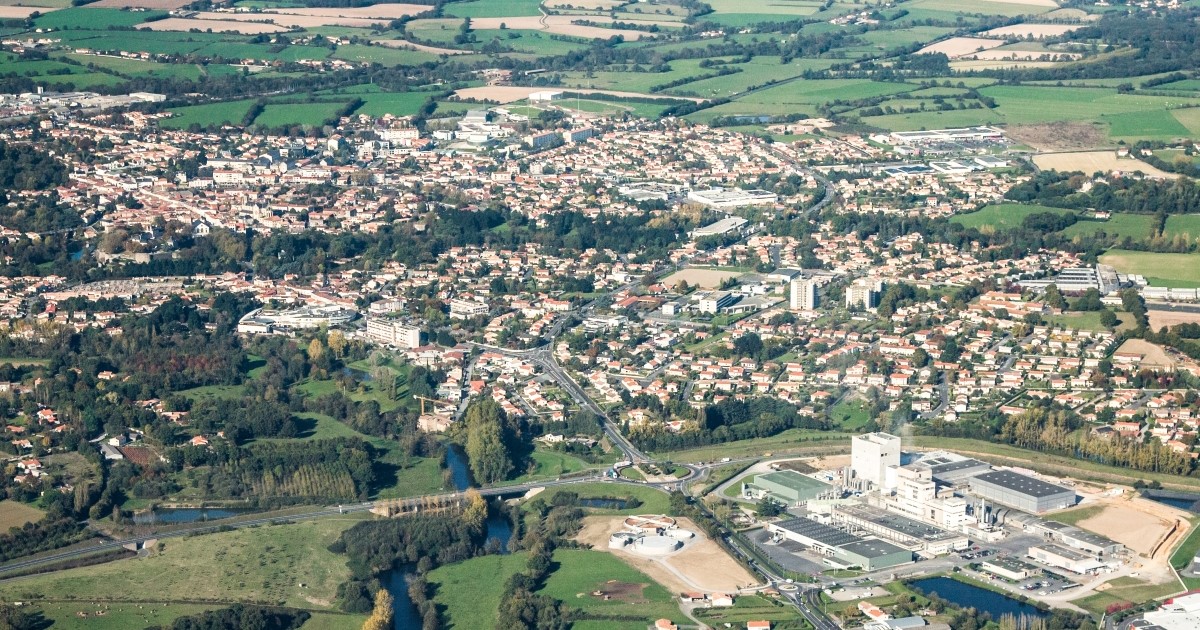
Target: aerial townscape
{"x": 600, "y": 314}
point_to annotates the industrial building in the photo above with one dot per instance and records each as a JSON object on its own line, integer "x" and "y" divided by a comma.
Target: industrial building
{"x": 393, "y": 332}
{"x": 1020, "y": 492}
{"x": 842, "y": 549}
{"x": 732, "y": 197}
{"x": 466, "y": 309}
{"x": 1076, "y": 538}
{"x": 903, "y": 531}
{"x": 1103, "y": 278}
{"x": 949, "y": 468}
{"x": 803, "y": 295}
{"x": 871, "y": 455}
{"x": 1065, "y": 558}
{"x": 724, "y": 226}
{"x": 946, "y": 135}
{"x": 785, "y": 486}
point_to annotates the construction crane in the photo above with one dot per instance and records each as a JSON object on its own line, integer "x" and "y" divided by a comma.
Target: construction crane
{"x": 435, "y": 402}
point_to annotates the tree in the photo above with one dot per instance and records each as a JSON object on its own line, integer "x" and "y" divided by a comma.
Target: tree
{"x": 337, "y": 342}
{"x": 381, "y": 615}
{"x": 487, "y": 449}
{"x": 1108, "y": 319}
{"x": 768, "y": 507}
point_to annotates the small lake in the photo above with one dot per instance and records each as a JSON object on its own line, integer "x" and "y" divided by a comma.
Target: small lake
{"x": 606, "y": 504}
{"x": 172, "y": 516}
{"x": 1181, "y": 500}
{"x": 981, "y": 599}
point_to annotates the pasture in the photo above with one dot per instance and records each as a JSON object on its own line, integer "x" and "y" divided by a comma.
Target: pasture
{"x": 1135, "y": 226}
{"x": 307, "y": 114}
{"x": 469, "y": 592}
{"x": 90, "y": 18}
{"x": 394, "y": 103}
{"x": 1002, "y": 216}
{"x": 230, "y": 112}
{"x": 259, "y": 564}
{"x": 1186, "y": 225}
{"x": 631, "y": 592}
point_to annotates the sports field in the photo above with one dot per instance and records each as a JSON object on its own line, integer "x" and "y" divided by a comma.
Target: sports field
{"x": 1168, "y": 270}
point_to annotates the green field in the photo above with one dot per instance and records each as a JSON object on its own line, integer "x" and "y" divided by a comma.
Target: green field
{"x": 14, "y": 514}
{"x": 850, "y": 415}
{"x": 1187, "y": 225}
{"x": 1135, "y": 226}
{"x": 86, "y": 17}
{"x": 1173, "y": 270}
{"x": 1148, "y": 124}
{"x": 468, "y": 593}
{"x": 653, "y": 501}
{"x": 383, "y": 55}
{"x": 289, "y": 114}
{"x": 261, "y": 565}
{"x": 553, "y": 464}
{"x": 787, "y": 441}
{"x": 581, "y": 572}
{"x": 1002, "y": 216}
{"x": 231, "y": 112}
{"x": 493, "y": 8}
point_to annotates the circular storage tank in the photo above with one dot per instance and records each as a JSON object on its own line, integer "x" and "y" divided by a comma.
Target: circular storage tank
{"x": 656, "y": 545}
{"x": 649, "y": 522}
{"x": 679, "y": 534}
{"x": 619, "y": 540}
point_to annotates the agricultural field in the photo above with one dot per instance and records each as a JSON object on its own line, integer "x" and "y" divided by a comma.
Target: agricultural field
{"x": 1135, "y": 226}
{"x": 469, "y": 592}
{"x": 1186, "y": 225}
{"x": 14, "y": 514}
{"x": 288, "y": 114}
{"x": 1164, "y": 270}
{"x": 285, "y": 564}
{"x": 93, "y": 18}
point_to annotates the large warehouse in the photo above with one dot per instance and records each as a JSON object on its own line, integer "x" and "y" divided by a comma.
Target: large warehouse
{"x": 1020, "y": 491}
{"x": 843, "y": 549}
{"x": 785, "y": 486}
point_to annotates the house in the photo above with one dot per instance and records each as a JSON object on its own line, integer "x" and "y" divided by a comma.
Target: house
{"x": 665, "y": 624}
{"x": 758, "y": 625}
{"x": 199, "y": 440}
{"x": 691, "y": 598}
{"x": 721, "y": 600}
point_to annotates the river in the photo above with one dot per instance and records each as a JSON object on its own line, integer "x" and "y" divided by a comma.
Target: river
{"x": 499, "y": 529}
{"x": 970, "y": 596}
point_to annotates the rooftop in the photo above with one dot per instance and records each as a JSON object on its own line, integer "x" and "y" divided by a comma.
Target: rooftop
{"x": 1017, "y": 482}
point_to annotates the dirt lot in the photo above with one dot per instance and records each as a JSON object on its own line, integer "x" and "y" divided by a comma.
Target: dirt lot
{"x": 1159, "y": 319}
{"x": 959, "y": 46}
{"x": 1140, "y": 524}
{"x": 1153, "y": 356}
{"x": 1092, "y": 161}
{"x": 704, "y": 278}
{"x": 1059, "y": 136}
{"x": 20, "y": 13}
{"x": 701, "y": 565}
{"x": 217, "y": 26}
{"x": 510, "y": 93}
{"x": 1031, "y": 31}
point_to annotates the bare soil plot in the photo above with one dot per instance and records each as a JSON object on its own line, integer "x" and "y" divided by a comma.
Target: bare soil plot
{"x": 165, "y": 5}
{"x": 400, "y": 43}
{"x": 1161, "y": 319}
{"x": 703, "y": 278}
{"x": 960, "y": 46}
{"x": 1065, "y": 136}
{"x": 20, "y": 13}
{"x": 1032, "y": 31}
{"x": 14, "y": 514}
{"x": 1137, "y": 526}
{"x": 1010, "y": 54}
{"x": 386, "y": 11}
{"x": 512, "y": 93}
{"x": 217, "y": 26}
{"x": 1092, "y": 161}
{"x": 1152, "y": 354}
{"x": 700, "y": 565}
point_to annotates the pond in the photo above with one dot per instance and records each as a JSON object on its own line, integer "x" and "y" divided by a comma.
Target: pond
{"x": 171, "y": 516}
{"x": 969, "y": 596}
{"x": 1181, "y": 500}
{"x": 606, "y": 504}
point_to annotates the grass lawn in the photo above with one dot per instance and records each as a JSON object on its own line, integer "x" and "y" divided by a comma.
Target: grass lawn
{"x": 749, "y": 608}
{"x": 581, "y": 572}
{"x": 86, "y": 17}
{"x": 1185, "y": 224}
{"x": 653, "y": 501}
{"x": 734, "y": 491}
{"x": 286, "y": 114}
{"x": 14, "y": 514}
{"x": 1127, "y": 590}
{"x": 493, "y": 8}
{"x": 318, "y": 426}
{"x": 851, "y": 415}
{"x": 1187, "y": 550}
{"x": 469, "y": 592}
{"x": 262, "y": 564}
{"x": 395, "y": 103}
{"x": 214, "y": 391}
{"x": 1002, "y": 216}
{"x": 1071, "y": 517}
{"x": 66, "y": 616}
{"x": 553, "y": 464}
{"x": 413, "y": 477}
{"x": 1179, "y": 270}
{"x": 19, "y": 361}
{"x": 1084, "y": 320}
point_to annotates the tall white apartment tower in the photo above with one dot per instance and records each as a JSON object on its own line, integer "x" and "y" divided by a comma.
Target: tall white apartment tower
{"x": 804, "y": 295}
{"x": 872, "y": 454}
